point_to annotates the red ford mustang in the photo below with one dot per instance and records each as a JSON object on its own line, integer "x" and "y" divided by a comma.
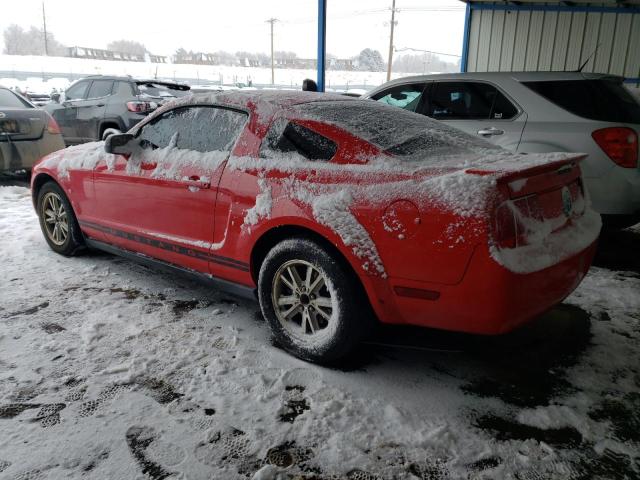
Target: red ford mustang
{"x": 334, "y": 211}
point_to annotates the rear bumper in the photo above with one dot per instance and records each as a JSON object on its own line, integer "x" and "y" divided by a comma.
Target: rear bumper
{"x": 491, "y": 299}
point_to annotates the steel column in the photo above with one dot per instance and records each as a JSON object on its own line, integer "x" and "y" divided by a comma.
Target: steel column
{"x": 322, "y": 42}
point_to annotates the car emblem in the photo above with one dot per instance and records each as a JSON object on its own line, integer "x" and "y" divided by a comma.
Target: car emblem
{"x": 567, "y": 202}
{"x": 2, "y": 114}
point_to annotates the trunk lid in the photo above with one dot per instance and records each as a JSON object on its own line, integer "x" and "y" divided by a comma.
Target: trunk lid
{"x": 538, "y": 201}
{"x": 22, "y": 124}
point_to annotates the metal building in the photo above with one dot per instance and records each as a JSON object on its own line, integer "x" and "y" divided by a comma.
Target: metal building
{"x": 545, "y": 36}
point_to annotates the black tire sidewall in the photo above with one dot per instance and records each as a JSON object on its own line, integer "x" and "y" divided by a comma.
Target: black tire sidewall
{"x": 74, "y": 240}
{"x": 351, "y": 323}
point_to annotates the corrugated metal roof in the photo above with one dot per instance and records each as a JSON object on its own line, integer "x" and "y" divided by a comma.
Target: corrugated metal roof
{"x": 514, "y": 40}
{"x": 611, "y": 3}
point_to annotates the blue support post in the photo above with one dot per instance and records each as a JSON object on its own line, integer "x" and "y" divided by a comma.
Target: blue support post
{"x": 465, "y": 38}
{"x": 322, "y": 42}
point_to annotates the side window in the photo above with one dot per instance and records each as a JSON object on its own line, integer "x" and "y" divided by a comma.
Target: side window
{"x": 203, "y": 129}
{"x": 211, "y": 129}
{"x": 469, "y": 101}
{"x": 123, "y": 89}
{"x": 77, "y": 91}
{"x": 100, "y": 88}
{"x": 403, "y": 96}
{"x": 502, "y": 109}
{"x": 289, "y": 137}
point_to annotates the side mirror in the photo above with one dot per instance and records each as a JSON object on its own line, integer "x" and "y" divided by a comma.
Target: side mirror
{"x": 119, "y": 144}
{"x": 55, "y": 97}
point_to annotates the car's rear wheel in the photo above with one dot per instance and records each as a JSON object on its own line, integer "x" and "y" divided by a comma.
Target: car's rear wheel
{"x": 313, "y": 304}
{"x": 57, "y": 220}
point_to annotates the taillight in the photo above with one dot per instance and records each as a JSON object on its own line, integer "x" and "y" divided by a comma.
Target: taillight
{"x": 509, "y": 231}
{"x": 506, "y": 228}
{"x": 620, "y": 144}
{"x": 141, "y": 107}
{"x": 52, "y": 126}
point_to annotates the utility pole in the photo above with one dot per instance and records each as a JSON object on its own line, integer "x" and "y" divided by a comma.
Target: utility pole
{"x": 44, "y": 23}
{"x": 393, "y": 24}
{"x": 272, "y": 21}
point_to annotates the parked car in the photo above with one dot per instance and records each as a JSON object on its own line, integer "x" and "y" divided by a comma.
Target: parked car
{"x": 39, "y": 99}
{"x": 542, "y": 112}
{"x": 327, "y": 208}
{"x": 97, "y": 106}
{"x": 27, "y": 133}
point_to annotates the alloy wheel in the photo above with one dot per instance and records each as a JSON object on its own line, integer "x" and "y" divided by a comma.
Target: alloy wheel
{"x": 55, "y": 218}
{"x": 303, "y": 300}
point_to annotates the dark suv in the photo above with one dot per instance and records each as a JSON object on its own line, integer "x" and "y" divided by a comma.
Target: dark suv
{"x": 95, "y": 107}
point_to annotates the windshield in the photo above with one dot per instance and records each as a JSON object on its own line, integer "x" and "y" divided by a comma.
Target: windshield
{"x": 9, "y": 100}
{"x": 604, "y": 99}
{"x": 396, "y": 131}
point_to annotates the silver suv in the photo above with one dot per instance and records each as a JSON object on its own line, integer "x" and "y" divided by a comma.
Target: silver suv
{"x": 542, "y": 112}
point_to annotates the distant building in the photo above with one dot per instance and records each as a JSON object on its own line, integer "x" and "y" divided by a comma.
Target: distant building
{"x": 99, "y": 54}
{"x": 198, "y": 58}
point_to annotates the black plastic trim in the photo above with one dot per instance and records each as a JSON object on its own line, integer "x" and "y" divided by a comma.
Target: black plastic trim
{"x": 224, "y": 285}
{"x": 170, "y": 246}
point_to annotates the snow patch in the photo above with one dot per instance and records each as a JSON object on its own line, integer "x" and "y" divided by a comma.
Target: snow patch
{"x": 547, "y": 248}
{"x": 79, "y": 157}
{"x": 262, "y": 208}
{"x": 333, "y": 211}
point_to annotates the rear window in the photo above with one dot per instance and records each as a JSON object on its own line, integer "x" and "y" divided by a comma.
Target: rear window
{"x": 10, "y": 100}
{"x": 604, "y": 100}
{"x": 396, "y": 131}
{"x": 159, "y": 90}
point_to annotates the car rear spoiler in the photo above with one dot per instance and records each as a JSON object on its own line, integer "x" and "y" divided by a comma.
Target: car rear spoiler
{"x": 175, "y": 86}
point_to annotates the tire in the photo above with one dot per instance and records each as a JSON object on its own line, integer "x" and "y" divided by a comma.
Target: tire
{"x": 110, "y": 131}
{"x": 321, "y": 318}
{"x": 54, "y": 212}
{"x": 619, "y": 222}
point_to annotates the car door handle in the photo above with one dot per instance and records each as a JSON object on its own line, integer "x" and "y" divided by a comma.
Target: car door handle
{"x": 487, "y": 132}
{"x": 197, "y": 182}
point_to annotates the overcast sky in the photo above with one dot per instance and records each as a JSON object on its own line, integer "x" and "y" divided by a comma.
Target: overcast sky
{"x": 234, "y": 25}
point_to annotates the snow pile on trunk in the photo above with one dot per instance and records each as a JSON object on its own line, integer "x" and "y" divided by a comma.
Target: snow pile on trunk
{"x": 548, "y": 247}
{"x": 460, "y": 192}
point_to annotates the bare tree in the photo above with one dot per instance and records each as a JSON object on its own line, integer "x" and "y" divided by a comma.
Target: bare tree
{"x": 370, "y": 60}
{"x": 423, "y": 63}
{"x": 18, "y": 41}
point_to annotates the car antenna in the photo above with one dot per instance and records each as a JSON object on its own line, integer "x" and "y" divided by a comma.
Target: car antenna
{"x": 589, "y": 58}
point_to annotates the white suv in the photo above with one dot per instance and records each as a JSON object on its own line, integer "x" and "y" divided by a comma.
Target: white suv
{"x": 542, "y": 112}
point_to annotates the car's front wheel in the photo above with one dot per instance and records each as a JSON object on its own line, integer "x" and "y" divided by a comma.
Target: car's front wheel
{"x": 57, "y": 220}
{"x": 313, "y": 303}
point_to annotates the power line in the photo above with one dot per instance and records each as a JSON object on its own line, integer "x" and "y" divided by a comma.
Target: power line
{"x": 425, "y": 51}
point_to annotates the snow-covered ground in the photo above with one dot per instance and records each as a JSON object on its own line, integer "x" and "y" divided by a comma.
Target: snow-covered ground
{"x": 110, "y": 370}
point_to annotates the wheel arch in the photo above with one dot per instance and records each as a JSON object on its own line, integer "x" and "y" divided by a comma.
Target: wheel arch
{"x": 109, "y": 123}
{"x": 276, "y": 234}
{"x": 36, "y": 184}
